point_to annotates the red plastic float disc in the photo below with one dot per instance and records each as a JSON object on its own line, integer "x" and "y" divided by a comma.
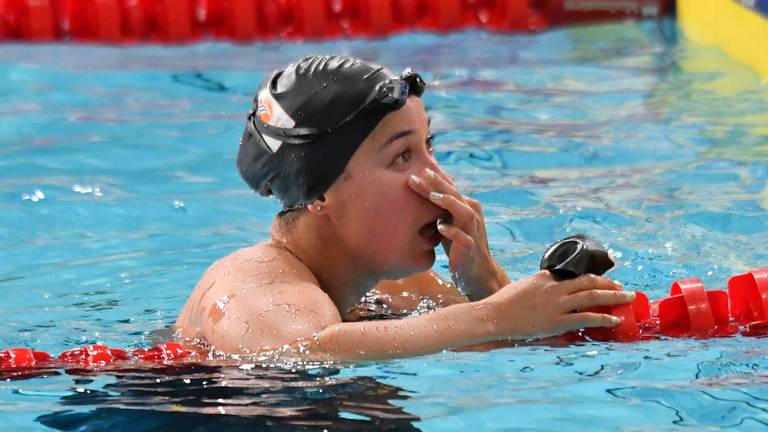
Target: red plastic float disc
{"x": 689, "y": 310}
{"x": 756, "y": 328}
{"x": 749, "y": 296}
{"x": 243, "y": 20}
{"x": 444, "y": 15}
{"x": 135, "y": 21}
{"x": 368, "y": 17}
{"x": 93, "y": 355}
{"x": 22, "y": 358}
{"x": 174, "y": 20}
{"x": 410, "y": 12}
{"x": 506, "y": 15}
{"x": 628, "y": 329}
{"x": 165, "y": 352}
{"x": 36, "y": 20}
{"x": 92, "y": 20}
{"x": 9, "y": 13}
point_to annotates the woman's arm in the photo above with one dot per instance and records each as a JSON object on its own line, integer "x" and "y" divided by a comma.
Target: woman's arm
{"x": 531, "y": 308}
{"x": 449, "y": 327}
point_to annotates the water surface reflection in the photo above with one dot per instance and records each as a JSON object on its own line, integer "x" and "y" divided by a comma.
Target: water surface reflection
{"x": 199, "y": 397}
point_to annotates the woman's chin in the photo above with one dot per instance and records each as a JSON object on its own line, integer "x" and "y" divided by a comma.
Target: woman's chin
{"x": 417, "y": 264}
{"x": 425, "y": 261}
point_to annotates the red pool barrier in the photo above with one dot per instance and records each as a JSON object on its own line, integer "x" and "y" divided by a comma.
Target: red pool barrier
{"x": 749, "y": 296}
{"x": 239, "y": 20}
{"x": 94, "y": 356}
{"x": 33, "y": 20}
{"x": 512, "y": 15}
{"x": 181, "y": 21}
{"x": 689, "y": 311}
{"x": 93, "y": 20}
{"x": 166, "y": 352}
{"x": 749, "y": 301}
{"x": 22, "y": 358}
{"x": 631, "y": 315}
{"x": 375, "y": 18}
{"x": 313, "y": 19}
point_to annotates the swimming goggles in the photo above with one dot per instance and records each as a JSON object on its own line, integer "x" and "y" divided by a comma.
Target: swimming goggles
{"x": 391, "y": 94}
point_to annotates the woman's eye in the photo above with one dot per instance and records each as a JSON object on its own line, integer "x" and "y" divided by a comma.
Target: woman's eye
{"x": 406, "y": 155}
{"x": 402, "y": 157}
{"x": 430, "y": 143}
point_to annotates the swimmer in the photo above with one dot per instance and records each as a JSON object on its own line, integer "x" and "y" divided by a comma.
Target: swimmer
{"x": 345, "y": 145}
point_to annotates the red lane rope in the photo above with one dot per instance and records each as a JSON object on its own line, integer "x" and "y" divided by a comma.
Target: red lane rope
{"x": 689, "y": 311}
{"x": 179, "y": 21}
{"x": 96, "y": 355}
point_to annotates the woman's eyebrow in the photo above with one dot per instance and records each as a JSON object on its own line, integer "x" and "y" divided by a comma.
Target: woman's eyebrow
{"x": 396, "y": 137}
{"x": 402, "y": 134}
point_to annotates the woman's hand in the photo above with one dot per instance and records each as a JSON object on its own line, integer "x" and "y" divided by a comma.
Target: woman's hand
{"x": 472, "y": 267}
{"x": 540, "y": 306}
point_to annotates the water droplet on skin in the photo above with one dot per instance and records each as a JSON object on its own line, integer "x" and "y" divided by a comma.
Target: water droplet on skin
{"x": 222, "y": 302}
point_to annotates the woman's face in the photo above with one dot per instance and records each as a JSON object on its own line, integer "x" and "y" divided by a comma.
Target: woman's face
{"x": 381, "y": 220}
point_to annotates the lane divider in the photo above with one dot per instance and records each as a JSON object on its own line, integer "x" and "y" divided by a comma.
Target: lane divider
{"x": 692, "y": 311}
{"x": 184, "y": 21}
{"x": 688, "y": 311}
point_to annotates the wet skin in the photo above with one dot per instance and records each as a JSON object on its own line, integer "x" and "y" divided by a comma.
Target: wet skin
{"x": 377, "y": 228}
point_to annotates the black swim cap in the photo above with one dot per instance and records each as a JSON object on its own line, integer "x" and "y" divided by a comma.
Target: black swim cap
{"x": 309, "y": 119}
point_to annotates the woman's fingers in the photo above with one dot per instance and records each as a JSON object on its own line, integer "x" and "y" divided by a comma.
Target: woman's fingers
{"x": 589, "y": 319}
{"x": 456, "y": 236}
{"x": 590, "y": 282}
{"x": 461, "y": 244}
{"x": 461, "y": 213}
{"x": 430, "y": 181}
{"x": 588, "y": 299}
{"x": 440, "y": 192}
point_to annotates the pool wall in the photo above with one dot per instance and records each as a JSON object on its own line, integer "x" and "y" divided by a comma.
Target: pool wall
{"x": 739, "y": 28}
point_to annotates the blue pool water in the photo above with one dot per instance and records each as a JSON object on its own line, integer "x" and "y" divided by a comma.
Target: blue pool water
{"x": 118, "y": 189}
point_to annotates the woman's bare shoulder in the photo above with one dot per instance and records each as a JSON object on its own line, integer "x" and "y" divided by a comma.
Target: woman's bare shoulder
{"x": 245, "y": 284}
{"x": 263, "y": 263}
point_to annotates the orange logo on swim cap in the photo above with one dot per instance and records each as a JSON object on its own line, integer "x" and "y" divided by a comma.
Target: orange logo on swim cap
{"x": 264, "y": 110}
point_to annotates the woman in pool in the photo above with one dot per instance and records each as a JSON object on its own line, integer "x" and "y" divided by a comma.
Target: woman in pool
{"x": 345, "y": 145}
